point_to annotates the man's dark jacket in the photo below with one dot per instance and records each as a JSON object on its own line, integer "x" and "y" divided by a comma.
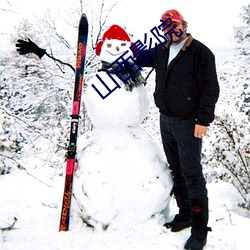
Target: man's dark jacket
{"x": 187, "y": 88}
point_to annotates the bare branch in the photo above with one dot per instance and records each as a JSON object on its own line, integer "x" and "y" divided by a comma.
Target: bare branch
{"x": 102, "y": 23}
{"x": 8, "y": 11}
{"x": 237, "y": 150}
{"x": 19, "y": 166}
{"x": 57, "y": 60}
{"x": 10, "y": 227}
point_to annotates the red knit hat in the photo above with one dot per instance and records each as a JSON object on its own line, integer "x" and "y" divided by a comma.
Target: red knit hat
{"x": 114, "y": 32}
{"x": 175, "y": 16}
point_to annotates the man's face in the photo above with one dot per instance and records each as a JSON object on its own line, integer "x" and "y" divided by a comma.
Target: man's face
{"x": 176, "y": 38}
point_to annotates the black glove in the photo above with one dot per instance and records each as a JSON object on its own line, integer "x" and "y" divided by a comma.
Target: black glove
{"x": 24, "y": 47}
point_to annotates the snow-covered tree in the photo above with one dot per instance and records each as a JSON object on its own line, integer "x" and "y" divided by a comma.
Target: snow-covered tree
{"x": 36, "y": 95}
{"x": 34, "y": 104}
{"x": 242, "y": 33}
{"x": 230, "y": 154}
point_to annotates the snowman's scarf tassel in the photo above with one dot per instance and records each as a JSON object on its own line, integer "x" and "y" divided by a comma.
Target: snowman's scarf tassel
{"x": 133, "y": 81}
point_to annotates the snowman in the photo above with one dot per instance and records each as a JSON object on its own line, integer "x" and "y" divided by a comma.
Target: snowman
{"x": 122, "y": 178}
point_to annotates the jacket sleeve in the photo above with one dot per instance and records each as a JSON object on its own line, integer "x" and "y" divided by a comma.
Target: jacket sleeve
{"x": 146, "y": 59}
{"x": 208, "y": 87}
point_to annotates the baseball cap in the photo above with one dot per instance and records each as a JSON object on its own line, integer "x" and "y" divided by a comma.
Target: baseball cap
{"x": 175, "y": 16}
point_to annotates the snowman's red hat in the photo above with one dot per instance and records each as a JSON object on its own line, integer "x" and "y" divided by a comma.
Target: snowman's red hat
{"x": 114, "y": 32}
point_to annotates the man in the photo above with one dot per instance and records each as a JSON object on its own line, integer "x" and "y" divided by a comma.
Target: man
{"x": 186, "y": 93}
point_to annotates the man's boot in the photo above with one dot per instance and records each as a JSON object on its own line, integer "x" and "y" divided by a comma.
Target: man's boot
{"x": 181, "y": 220}
{"x": 199, "y": 215}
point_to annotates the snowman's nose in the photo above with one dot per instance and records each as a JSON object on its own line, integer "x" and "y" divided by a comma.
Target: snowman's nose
{"x": 117, "y": 48}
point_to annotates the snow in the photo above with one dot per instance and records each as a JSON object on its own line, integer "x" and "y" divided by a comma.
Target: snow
{"x": 121, "y": 108}
{"x": 122, "y": 178}
{"x": 37, "y": 208}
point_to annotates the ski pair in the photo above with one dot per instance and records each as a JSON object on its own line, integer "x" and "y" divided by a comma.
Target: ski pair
{"x": 71, "y": 152}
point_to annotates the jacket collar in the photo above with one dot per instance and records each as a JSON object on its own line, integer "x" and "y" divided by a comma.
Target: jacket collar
{"x": 186, "y": 44}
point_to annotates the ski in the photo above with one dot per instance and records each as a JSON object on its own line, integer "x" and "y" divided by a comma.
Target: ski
{"x": 71, "y": 152}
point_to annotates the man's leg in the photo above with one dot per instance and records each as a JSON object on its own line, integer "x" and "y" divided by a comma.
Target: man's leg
{"x": 191, "y": 168}
{"x": 182, "y": 219}
{"x": 199, "y": 214}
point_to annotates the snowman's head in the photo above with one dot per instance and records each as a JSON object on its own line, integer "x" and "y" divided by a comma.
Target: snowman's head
{"x": 114, "y": 43}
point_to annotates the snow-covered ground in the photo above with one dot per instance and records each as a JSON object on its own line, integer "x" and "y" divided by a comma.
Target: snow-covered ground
{"x": 37, "y": 208}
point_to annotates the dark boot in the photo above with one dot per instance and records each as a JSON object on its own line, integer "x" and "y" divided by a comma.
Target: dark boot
{"x": 182, "y": 220}
{"x": 199, "y": 215}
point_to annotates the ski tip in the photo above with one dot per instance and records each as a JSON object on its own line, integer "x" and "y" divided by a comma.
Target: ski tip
{"x": 83, "y": 20}
{"x": 84, "y": 16}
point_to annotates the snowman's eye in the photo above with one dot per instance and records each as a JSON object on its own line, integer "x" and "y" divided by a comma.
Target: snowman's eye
{"x": 109, "y": 45}
{"x": 123, "y": 44}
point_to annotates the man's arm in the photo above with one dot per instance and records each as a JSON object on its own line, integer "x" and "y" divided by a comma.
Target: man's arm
{"x": 208, "y": 87}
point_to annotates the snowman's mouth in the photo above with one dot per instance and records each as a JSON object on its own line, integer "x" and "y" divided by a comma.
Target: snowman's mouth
{"x": 115, "y": 54}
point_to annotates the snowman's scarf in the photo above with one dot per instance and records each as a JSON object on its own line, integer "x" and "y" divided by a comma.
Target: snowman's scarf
{"x": 133, "y": 81}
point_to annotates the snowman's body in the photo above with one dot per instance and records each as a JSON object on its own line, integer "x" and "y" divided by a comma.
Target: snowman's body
{"x": 122, "y": 177}
{"x": 121, "y": 108}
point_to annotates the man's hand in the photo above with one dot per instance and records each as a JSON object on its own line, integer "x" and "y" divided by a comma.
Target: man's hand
{"x": 200, "y": 131}
{"x": 24, "y": 47}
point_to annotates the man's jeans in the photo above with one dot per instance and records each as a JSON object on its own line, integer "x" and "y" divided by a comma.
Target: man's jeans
{"x": 183, "y": 152}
